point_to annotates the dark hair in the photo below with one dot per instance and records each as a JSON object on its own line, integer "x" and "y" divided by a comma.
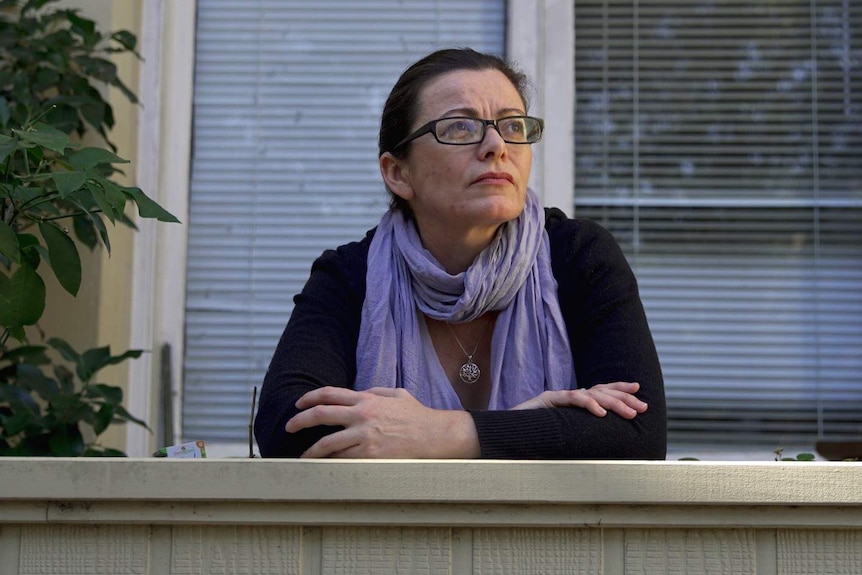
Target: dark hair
{"x": 400, "y": 109}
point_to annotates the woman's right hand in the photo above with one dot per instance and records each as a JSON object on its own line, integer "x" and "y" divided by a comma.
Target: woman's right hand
{"x": 618, "y": 397}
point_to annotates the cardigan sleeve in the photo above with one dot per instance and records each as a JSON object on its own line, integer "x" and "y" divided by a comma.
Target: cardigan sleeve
{"x": 316, "y": 349}
{"x": 610, "y": 341}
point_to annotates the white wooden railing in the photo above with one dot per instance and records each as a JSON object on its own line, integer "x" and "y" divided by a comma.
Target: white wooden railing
{"x": 159, "y": 516}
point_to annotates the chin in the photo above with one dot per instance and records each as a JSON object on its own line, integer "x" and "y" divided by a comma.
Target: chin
{"x": 504, "y": 211}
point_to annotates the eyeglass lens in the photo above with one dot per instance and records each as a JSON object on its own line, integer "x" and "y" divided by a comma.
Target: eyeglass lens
{"x": 516, "y": 130}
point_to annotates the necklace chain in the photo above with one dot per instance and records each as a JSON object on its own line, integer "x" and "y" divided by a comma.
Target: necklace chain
{"x": 469, "y": 372}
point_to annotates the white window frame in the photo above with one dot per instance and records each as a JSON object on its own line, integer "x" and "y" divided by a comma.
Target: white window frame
{"x": 541, "y": 41}
{"x": 159, "y": 265}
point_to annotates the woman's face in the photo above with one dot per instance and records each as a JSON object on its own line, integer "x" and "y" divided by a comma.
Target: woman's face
{"x": 464, "y": 188}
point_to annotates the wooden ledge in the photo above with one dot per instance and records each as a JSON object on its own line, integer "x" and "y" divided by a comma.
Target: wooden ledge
{"x": 419, "y": 482}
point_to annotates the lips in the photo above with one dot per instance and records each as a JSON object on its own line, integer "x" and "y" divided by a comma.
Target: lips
{"x": 495, "y": 177}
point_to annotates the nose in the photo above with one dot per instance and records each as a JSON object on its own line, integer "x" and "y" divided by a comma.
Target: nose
{"x": 491, "y": 144}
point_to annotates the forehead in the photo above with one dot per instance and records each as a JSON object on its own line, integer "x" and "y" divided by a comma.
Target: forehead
{"x": 485, "y": 91}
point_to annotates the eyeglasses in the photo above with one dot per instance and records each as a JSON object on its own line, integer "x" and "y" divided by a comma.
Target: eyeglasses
{"x": 462, "y": 130}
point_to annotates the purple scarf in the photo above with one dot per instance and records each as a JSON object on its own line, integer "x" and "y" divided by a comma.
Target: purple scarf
{"x": 529, "y": 347}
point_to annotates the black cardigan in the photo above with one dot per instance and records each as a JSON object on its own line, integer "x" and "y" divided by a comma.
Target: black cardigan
{"x": 606, "y": 324}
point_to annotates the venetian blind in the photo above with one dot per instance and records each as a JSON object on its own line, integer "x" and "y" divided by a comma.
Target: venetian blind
{"x": 287, "y": 103}
{"x": 721, "y": 142}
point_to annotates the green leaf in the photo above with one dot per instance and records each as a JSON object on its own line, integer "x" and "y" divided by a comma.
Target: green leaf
{"x": 103, "y": 418}
{"x": 113, "y": 194}
{"x": 111, "y": 394}
{"x": 128, "y": 354}
{"x": 103, "y": 231}
{"x": 67, "y": 441}
{"x": 22, "y": 194}
{"x": 85, "y": 231}
{"x": 126, "y": 39}
{"x": 29, "y": 245}
{"x": 101, "y": 200}
{"x": 65, "y": 377}
{"x": 80, "y": 25}
{"x": 806, "y": 457}
{"x": 124, "y": 415}
{"x": 32, "y": 378}
{"x": 125, "y": 90}
{"x": 18, "y": 398}
{"x": 16, "y": 423}
{"x": 68, "y": 182}
{"x": 34, "y": 354}
{"x": 22, "y": 297}
{"x": 4, "y": 111}
{"x": 18, "y": 333}
{"x": 95, "y": 359}
{"x": 64, "y": 257}
{"x": 35, "y": 4}
{"x": 45, "y": 136}
{"x": 7, "y": 146}
{"x": 87, "y": 158}
{"x": 147, "y": 208}
{"x": 66, "y": 351}
{"x": 9, "y": 243}
{"x": 98, "y": 451}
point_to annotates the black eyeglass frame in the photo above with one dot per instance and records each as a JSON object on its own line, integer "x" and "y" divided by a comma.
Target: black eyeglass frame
{"x": 431, "y": 128}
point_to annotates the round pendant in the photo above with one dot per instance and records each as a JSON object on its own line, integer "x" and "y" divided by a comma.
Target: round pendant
{"x": 470, "y": 372}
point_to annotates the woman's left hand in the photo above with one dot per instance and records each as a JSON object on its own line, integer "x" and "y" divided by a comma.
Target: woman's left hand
{"x": 383, "y": 423}
{"x": 618, "y": 397}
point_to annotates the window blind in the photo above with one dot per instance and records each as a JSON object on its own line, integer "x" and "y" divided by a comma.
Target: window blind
{"x": 287, "y": 102}
{"x": 721, "y": 142}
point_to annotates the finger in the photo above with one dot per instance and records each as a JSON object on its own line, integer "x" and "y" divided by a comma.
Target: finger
{"x": 623, "y": 404}
{"x": 626, "y": 386}
{"x": 320, "y": 415}
{"x": 332, "y": 445}
{"x": 328, "y": 395}
{"x": 575, "y": 398}
{"x": 630, "y": 400}
{"x": 387, "y": 391}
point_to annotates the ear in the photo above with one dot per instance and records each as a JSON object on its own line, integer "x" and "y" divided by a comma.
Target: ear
{"x": 396, "y": 175}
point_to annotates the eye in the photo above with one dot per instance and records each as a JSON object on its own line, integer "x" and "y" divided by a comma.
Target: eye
{"x": 514, "y": 128}
{"x": 457, "y": 129}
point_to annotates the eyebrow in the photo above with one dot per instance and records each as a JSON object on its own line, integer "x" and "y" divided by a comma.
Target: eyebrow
{"x": 474, "y": 113}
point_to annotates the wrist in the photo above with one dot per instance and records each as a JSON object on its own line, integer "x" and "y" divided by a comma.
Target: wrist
{"x": 459, "y": 438}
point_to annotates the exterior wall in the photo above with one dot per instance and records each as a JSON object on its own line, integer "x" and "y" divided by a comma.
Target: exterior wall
{"x": 271, "y": 516}
{"x": 100, "y": 314}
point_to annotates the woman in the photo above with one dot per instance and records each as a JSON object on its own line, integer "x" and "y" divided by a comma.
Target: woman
{"x": 470, "y": 322}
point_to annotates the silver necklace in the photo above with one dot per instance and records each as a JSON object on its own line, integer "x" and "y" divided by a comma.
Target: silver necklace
{"x": 469, "y": 372}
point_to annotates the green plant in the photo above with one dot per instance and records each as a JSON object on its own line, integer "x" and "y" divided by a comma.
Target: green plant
{"x": 779, "y": 452}
{"x": 51, "y": 188}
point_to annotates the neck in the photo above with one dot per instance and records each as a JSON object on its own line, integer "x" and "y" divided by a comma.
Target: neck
{"x": 456, "y": 252}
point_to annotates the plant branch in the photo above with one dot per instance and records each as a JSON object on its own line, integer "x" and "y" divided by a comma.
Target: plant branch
{"x": 4, "y": 337}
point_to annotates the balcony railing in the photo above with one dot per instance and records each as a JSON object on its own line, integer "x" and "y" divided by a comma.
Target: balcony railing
{"x": 162, "y": 516}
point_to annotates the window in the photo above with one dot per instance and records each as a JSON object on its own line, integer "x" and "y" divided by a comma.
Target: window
{"x": 287, "y": 102}
{"x": 721, "y": 142}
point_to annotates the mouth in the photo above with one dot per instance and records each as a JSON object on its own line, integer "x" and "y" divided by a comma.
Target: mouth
{"x": 495, "y": 178}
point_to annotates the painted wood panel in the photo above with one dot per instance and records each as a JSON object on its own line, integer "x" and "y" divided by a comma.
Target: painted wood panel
{"x": 537, "y": 551}
{"x": 814, "y": 552}
{"x": 683, "y": 551}
{"x": 382, "y": 551}
{"x": 84, "y": 550}
{"x": 242, "y": 550}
